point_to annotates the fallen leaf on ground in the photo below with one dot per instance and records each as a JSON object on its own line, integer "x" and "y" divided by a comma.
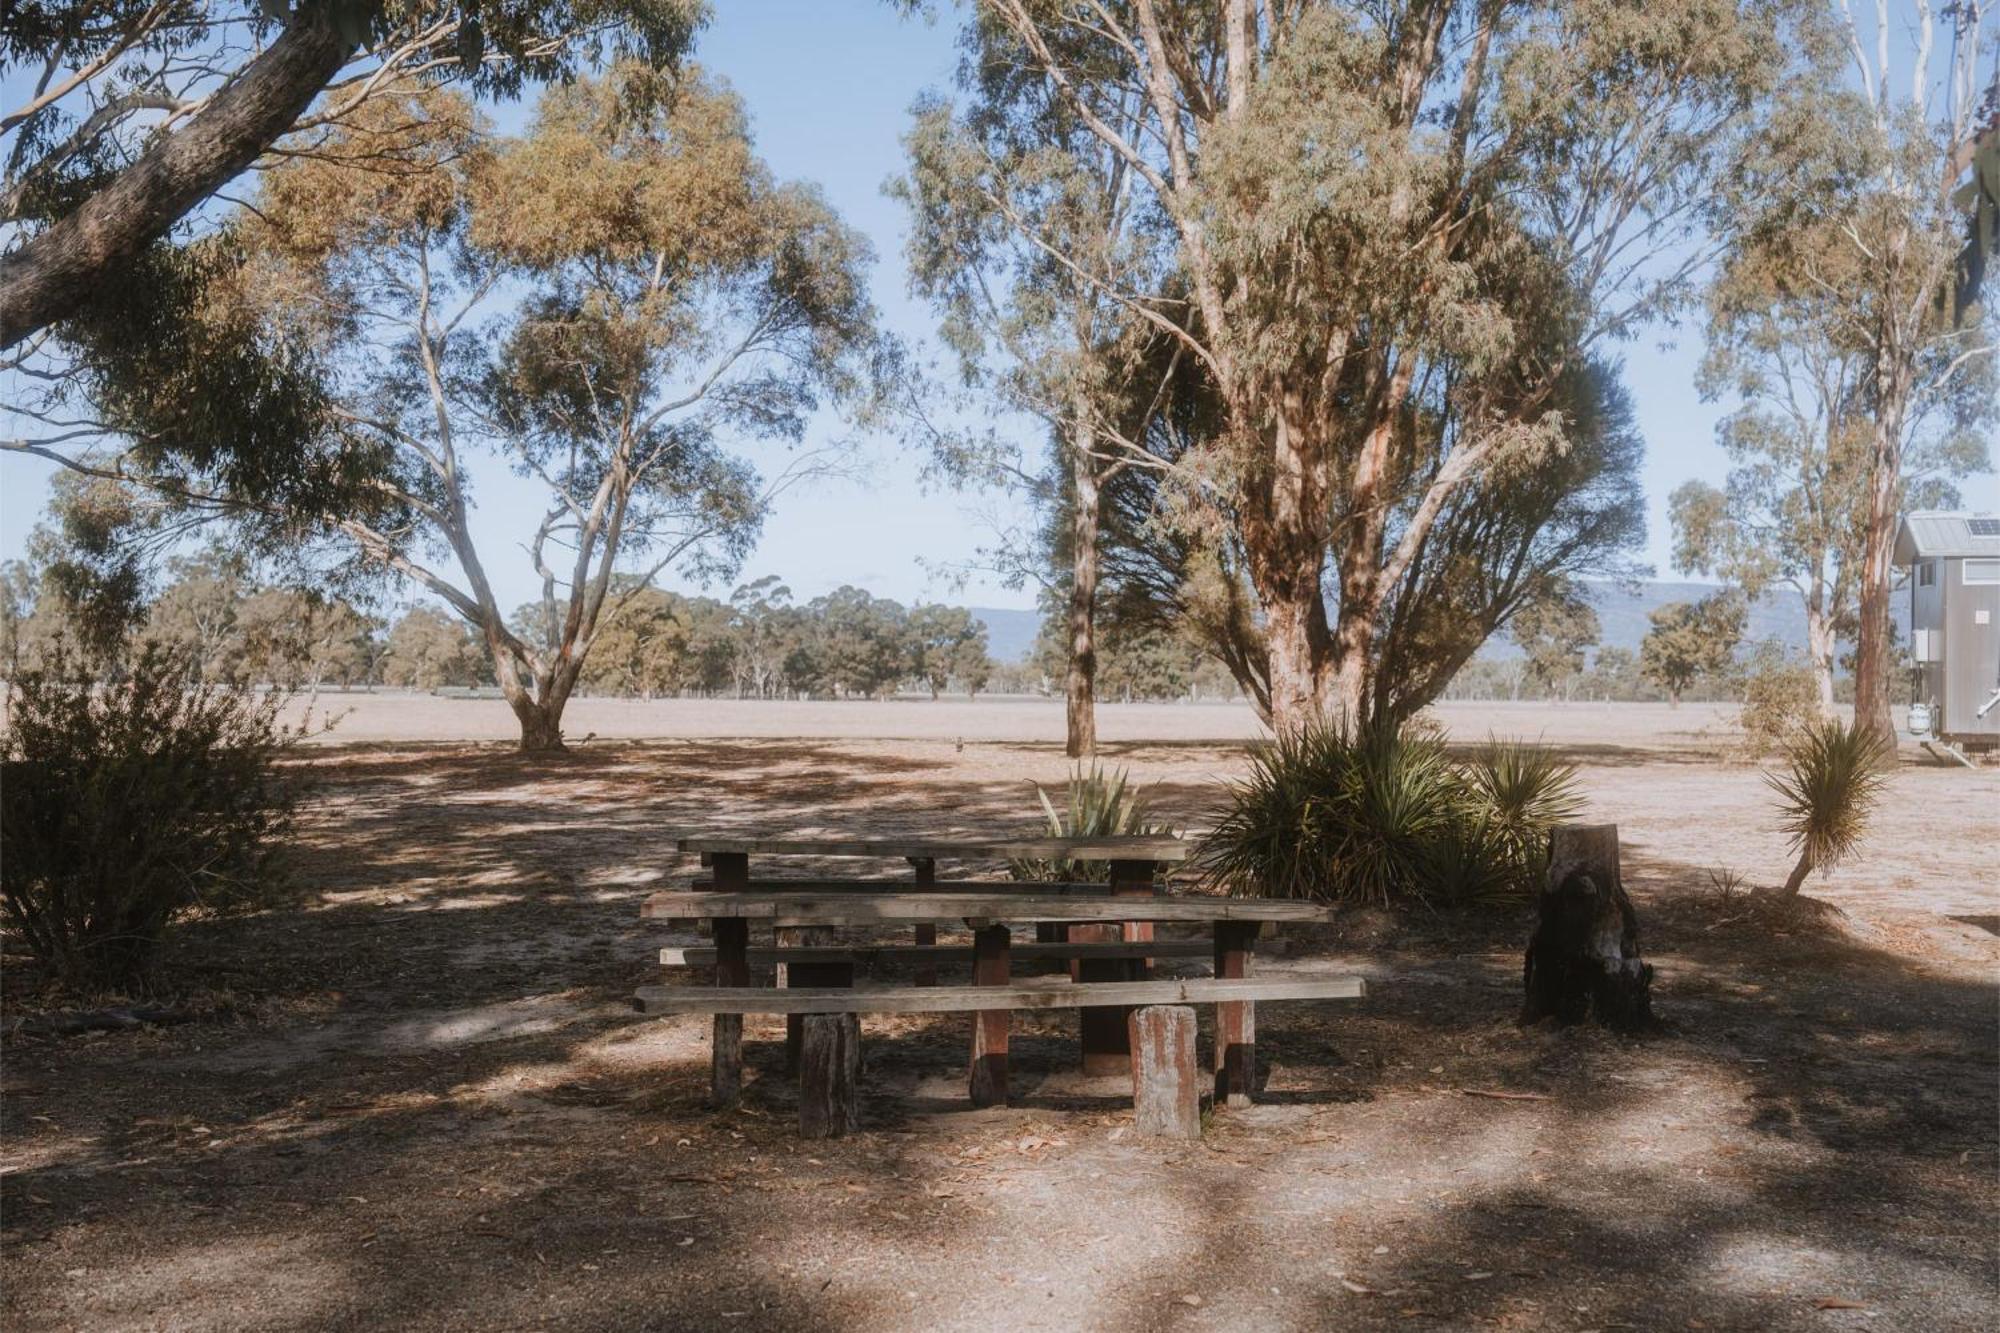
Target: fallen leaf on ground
{"x": 1837, "y": 1303}
{"x": 1357, "y": 1288}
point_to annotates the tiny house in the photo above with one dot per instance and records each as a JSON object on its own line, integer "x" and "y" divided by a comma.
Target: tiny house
{"x": 1954, "y": 582}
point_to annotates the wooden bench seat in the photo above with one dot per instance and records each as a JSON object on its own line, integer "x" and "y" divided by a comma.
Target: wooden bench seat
{"x": 872, "y": 955}
{"x": 1165, "y": 1081}
{"x": 962, "y": 999}
{"x": 815, "y": 909}
{"x": 1060, "y": 888}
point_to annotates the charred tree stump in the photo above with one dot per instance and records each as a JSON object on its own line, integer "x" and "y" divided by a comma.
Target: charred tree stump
{"x": 1583, "y": 961}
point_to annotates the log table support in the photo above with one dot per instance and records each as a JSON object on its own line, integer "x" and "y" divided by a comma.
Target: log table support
{"x": 829, "y": 1076}
{"x": 1235, "y": 1020}
{"x": 732, "y": 968}
{"x": 988, "y": 1077}
{"x": 926, "y": 874}
{"x": 1166, "y": 1091}
{"x": 1107, "y": 1047}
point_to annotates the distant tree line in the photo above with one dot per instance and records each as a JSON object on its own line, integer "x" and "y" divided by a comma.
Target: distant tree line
{"x": 214, "y": 615}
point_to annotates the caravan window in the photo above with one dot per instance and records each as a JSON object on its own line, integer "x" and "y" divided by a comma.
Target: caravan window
{"x": 1980, "y": 571}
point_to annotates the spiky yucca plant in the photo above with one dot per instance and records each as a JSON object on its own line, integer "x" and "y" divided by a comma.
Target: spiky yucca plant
{"x": 1096, "y": 804}
{"x": 1526, "y": 791}
{"x": 1834, "y": 775}
{"x": 1380, "y": 814}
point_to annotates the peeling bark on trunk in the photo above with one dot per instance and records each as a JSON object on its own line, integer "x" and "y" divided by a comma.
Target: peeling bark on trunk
{"x": 1285, "y": 548}
{"x": 1819, "y": 653}
{"x": 1080, "y": 682}
{"x": 1871, "y": 647}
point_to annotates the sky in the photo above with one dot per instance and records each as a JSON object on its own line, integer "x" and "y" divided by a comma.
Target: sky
{"x": 829, "y": 85}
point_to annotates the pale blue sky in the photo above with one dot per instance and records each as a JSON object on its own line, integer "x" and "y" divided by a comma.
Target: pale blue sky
{"x": 829, "y": 85}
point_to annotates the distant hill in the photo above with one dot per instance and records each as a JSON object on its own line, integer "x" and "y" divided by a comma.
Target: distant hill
{"x": 1621, "y": 614}
{"x": 1010, "y": 635}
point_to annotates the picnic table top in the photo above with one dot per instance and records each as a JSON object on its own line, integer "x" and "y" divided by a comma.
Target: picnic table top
{"x": 1135, "y": 848}
{"x": 858, "y": 909}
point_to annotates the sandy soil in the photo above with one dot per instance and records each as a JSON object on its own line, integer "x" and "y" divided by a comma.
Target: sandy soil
{"x": 398, "y": 716}
{"x": 420, "y": 1101}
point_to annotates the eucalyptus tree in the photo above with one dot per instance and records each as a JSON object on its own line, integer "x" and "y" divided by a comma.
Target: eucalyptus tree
{"x": 1883, "y": 193}
{"x": 603, "y": 304}
{"x": 1024, "y": 221}
{"x": 1794, "y": 509}
{"x": 1386, "y": 217}
{"x": 133, "y": 113}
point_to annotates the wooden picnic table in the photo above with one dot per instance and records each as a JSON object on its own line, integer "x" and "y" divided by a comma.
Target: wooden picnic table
{"x": 1134, "y": 863}
{"x": 1235, "y": 923}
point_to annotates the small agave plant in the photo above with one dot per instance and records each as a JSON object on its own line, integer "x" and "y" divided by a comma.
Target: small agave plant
{"x": 1096, "y": 804}
{"x": 1833, "y": 778}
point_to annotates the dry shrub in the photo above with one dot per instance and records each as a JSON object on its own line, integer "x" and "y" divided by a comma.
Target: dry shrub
{"x": 128, "y": 805}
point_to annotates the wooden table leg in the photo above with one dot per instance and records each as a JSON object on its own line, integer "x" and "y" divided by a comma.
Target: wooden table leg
{"x": 732, "y": 968}
{"x": 1103, "y": 1029}
{"x": 807, "y": 974}
{"x": 1235, "y": 1020}
{"x": 990, "y": 951}
{"x": 926, "y": 871}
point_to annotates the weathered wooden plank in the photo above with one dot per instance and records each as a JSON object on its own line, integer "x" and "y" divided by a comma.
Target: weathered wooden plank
{"x": 791, "y": 909}
{"x": 870, "y": 955}
{"x": 1236, "y": 1019}
{"x": 988, "y": 1076}
{"x": 817, "y": 885}
{"x": 1149, "y": 848}
{"x": 829, "y": 1075}
{"x": 961, "y": 999}
{"x": 1166, "y": 1090}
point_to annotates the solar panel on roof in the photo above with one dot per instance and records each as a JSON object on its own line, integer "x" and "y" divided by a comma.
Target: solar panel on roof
{"x": 1983, "y": 527}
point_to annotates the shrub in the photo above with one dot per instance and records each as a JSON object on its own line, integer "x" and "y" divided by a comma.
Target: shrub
{"x": 1780, "y": 698}
{"x": 1834, "y": 775}
{"x": 1381, "y": 814}
{"x": 1096, "y": 805}
{"x": 126, "y": 806}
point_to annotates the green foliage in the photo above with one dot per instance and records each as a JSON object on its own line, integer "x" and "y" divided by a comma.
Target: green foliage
{"x": 1833, "y": 778}
{"x": 1554, "y": 631}
{"x": 1381, "y": 814}
{"x": 1096, "y": 804}
{"x": 1690, "y": 640}
{"x": 1522, "y": 791}
{"x": 126, "y": 806}
{"x": 430, "y": 649}
{"x": 1780, "y": 698}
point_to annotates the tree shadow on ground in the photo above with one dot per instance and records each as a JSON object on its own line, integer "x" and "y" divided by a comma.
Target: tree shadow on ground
{"x": 448, "y": 1117}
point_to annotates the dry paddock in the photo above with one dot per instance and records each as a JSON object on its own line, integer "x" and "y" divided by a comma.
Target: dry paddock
{"x": 418, "y": 1099}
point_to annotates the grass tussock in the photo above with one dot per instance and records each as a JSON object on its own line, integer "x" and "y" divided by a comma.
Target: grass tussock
{"x": 1384, "y": 815}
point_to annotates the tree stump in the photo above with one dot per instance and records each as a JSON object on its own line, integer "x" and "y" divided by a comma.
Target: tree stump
{"x": 829, "y": 1076}
{"x": 1583, "y": 961}
{"x": 1166, "y": 1091}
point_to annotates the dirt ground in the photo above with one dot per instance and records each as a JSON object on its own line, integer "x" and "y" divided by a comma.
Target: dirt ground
{"x": 419, "y": 1099}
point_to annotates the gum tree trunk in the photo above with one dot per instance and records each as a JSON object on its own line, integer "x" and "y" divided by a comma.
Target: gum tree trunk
{"x": 1080, "y": 682}
{"x": 46, "y": 279}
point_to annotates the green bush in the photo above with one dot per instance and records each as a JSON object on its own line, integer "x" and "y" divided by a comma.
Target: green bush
{"x": 1834, "y": 775}
{"x": 1096, "y": 805}
{"x": 1383, "y": 815}
{"x": 128, "y": 805}
{"x": 1780, "y": 699}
